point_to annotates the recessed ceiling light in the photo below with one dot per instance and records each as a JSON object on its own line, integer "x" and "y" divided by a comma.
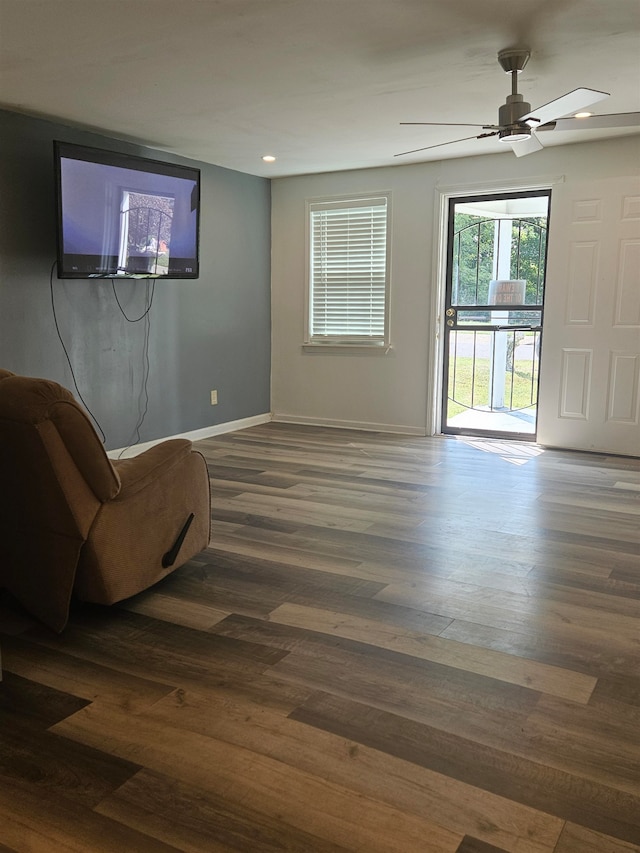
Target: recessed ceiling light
{"x": 269, "y": 158}
{"x": 582, "y": 115}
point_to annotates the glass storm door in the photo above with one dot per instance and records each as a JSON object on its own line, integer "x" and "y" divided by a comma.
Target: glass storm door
{"x": 497, "y": 249}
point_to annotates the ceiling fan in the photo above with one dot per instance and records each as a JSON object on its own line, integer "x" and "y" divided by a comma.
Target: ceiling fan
{"x": 519, "y": 125}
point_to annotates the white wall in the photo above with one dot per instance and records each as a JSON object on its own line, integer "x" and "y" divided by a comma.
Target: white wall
{"x": 395, "y": 391}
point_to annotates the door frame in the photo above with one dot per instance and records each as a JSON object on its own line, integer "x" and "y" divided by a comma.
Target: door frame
{"x": 439, "y": 275}
{"x": 450, "y": 306}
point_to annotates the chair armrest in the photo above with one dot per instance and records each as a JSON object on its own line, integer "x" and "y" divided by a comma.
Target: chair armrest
{"x": 139, "y": 471}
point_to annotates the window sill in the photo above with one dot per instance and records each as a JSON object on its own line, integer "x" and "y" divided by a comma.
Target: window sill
{"x": 348, "y": 349}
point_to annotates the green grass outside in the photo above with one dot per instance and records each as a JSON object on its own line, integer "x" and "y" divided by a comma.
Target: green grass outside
{"x": 473, "y": 380}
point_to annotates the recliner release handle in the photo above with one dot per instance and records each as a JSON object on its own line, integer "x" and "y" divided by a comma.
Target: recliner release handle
{"x": 170, "y": 557}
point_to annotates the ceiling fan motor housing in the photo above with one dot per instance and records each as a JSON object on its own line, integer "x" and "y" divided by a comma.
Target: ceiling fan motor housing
{"x": 509, "y": 115}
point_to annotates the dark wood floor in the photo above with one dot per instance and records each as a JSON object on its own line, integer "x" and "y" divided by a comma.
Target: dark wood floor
{"x": 392, "y": 645}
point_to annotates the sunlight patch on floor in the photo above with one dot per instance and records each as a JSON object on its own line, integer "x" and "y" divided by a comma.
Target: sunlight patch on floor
{"x": 515, "y": 453}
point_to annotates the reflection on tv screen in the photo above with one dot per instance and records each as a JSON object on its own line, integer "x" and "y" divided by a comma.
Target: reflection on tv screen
{"x": 125, "y": 216}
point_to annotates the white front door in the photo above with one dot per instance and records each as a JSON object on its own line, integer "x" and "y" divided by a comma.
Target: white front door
{"x": 589, "y": 395}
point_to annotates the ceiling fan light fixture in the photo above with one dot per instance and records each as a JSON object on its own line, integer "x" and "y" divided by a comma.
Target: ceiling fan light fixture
{"x": 515, "y": 134}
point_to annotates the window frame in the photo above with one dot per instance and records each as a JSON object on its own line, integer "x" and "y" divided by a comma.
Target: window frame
{"x": 359, "y": 343}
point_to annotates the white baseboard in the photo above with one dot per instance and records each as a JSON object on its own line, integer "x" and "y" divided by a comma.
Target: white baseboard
{"x": 399, "y": 429}
{"x": 194, "y": 435}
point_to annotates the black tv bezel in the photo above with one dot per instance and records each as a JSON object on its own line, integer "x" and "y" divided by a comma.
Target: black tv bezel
{"x": 103, "y": 156}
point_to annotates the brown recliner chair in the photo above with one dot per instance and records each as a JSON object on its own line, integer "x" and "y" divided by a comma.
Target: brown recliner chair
{"x": 72, "y": 521}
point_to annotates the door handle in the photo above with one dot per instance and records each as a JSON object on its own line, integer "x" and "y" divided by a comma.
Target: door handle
{"x": 515, "y": 328}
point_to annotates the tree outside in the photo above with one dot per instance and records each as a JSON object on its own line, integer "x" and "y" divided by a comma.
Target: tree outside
{"x": 474, "y": 250}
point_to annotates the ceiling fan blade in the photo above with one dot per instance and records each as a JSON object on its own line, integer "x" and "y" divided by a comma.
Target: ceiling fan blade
{"x": 449, "y": 124}
{"x": 527, "y": 146}
{"x": 594, "y": 122}
{"x": 440, "y": 144}
{"x": 572, "y": 102}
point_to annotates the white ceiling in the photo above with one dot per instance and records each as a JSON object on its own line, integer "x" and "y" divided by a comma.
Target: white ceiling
{"x": 320, "y": 84}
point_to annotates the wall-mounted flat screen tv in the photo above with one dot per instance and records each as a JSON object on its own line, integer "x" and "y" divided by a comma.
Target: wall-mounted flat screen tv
{"x": 125, "y": 216}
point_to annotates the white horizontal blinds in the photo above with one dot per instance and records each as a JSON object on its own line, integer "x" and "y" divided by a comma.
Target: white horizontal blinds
{"x": 349, "y": 270}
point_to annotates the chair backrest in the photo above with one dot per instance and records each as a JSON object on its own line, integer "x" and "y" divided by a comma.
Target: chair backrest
{"x": 54, "y": 475}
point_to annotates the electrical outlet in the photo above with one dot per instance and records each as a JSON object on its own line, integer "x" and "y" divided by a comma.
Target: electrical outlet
{"x": 214, "y": 398}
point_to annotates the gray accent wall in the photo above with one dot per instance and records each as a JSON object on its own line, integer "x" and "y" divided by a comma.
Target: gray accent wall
{"x": 210, "y": 333}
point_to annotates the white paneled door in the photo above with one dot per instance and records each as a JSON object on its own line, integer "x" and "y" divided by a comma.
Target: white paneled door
{"x": 590, "y": 366}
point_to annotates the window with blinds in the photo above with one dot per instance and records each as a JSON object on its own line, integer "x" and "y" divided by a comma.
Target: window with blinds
{"x": 349, "y": 271}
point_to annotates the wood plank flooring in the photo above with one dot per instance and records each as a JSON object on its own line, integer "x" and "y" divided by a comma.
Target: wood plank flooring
{"x": 392, "y": 644}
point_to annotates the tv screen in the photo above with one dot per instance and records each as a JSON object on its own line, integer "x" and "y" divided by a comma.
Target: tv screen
{"x": 125, "y": 216}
